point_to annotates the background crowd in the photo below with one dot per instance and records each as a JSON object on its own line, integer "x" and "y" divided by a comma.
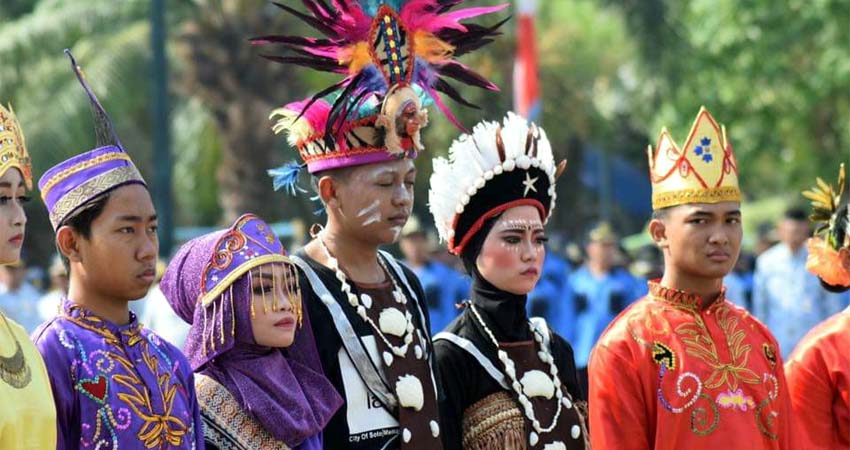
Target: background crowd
{"x": 586, "y": 282}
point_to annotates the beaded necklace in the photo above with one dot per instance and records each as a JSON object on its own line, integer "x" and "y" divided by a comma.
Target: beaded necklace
{"x": 391, "y": 321}
{"x": 14, "y": 369}
{"x": 408, "y": 388}
{"x": 521, "y": 386}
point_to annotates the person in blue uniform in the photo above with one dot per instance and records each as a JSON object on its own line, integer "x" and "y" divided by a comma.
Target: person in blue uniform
{"x": 601, "y": 291}
{"x": 552, "y": 297}
{"x": 444, "y": 286}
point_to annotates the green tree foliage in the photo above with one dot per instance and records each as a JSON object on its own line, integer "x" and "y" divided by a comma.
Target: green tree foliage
{"x": 612, "y": 74}
{"x": 777, "y": 73}
{"x": 111, "y": 40}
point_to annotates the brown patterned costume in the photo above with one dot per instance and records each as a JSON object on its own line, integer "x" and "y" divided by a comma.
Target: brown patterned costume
{"x": 417, "y": 422}
{"x": 491, "y": 417}
{"x": 353, "y": 357}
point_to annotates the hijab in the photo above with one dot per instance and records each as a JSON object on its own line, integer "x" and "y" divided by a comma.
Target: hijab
{"x": 208, "y": 285}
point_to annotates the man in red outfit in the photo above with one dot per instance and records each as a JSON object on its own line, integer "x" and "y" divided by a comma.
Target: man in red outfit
{"x": 683, "y": 367}
{"x": 819, "y": 369}
{"x": 819, "y": 381}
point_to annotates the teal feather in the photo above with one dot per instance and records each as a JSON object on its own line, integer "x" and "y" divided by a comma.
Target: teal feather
{"x": 286, "y": 177}
{"x": 371, "y": 7}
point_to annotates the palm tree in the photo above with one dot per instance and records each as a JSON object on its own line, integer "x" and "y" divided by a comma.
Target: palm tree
{"x": 240, "y": 89}
{"x": 110, "y": 41}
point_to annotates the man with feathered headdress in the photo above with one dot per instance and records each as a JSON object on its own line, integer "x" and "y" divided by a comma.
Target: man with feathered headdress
{"x": 358, "y": 139}
{"x": 819, "y": 367}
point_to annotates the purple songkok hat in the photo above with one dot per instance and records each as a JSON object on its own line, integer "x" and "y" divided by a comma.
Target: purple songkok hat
{"x": 74, "y": 182}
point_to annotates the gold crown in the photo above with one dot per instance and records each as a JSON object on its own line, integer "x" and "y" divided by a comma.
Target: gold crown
{"x": 703, "y": 171}
{"x": 13, "y": 149}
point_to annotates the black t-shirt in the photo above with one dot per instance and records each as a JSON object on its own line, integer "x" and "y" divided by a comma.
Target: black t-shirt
{"x": 362, "y": 423}
{"x": 465, "y": 382}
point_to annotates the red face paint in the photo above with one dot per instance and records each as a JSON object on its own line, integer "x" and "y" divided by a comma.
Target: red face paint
{"x": 513, "y": 252}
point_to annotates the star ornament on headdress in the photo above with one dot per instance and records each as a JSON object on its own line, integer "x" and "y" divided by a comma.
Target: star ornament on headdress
{"x": 496, "y": 167}
{"x": 395, "y": 58}
{"x": 703, "y": 170}
{"x": 529, "y": 184}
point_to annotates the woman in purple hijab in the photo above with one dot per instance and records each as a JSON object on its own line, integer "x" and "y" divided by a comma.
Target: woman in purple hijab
{"x": 259, "y": 381}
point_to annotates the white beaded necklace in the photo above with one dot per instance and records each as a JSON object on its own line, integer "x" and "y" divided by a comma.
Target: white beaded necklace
{"x": 510, "y": 370}
{"x": 365, "y": 302}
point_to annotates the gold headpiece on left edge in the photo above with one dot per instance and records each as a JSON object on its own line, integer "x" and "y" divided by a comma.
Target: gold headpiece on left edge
{"x": 13, "y": 147}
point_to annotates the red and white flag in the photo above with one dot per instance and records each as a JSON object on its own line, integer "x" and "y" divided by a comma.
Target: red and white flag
{"x": 526, "y": 82}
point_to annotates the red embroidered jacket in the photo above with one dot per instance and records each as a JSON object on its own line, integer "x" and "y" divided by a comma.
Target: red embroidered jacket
{"x": 819, "y": 381}
{"x": 667, "y": 374}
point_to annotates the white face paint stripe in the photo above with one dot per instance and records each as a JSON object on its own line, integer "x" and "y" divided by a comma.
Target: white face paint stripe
{"x": 369, "y": 209}
{"x": 396, "y": 232}
{"x": 372, "y": 219}
{"x": 371, "y": 212}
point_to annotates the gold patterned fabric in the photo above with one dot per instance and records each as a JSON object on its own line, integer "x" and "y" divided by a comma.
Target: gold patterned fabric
{"x": 226, "y": 425}
{"x": 683, "y": 373}
{"x": 117, "y": 386}
{"x": 13, "y": 149}
{"x": 27, "y": 413}
{"x": 95, "y": 186}
{"x": 494, "y": 423}
{"x": 83, "y": 165}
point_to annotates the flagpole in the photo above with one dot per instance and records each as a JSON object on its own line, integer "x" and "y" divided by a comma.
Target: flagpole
{"x": 527, "y": 101}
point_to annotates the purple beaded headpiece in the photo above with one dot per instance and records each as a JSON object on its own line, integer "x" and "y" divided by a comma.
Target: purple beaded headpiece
{"x": 208, "y": 284}
{"x": 72, "y": 183}
{"x": 249, "y": 243}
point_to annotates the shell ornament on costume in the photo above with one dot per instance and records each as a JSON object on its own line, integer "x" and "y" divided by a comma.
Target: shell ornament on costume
{"x": 408, "y": 388}
{"x": 537, "y": 384}
{"x": 392, "y": 322}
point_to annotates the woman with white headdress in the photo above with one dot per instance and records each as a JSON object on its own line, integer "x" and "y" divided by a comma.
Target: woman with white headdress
{"x": 509, "y": 382}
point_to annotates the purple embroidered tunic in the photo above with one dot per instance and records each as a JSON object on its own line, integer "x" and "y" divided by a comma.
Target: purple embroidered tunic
{"x": 117, "y": 387}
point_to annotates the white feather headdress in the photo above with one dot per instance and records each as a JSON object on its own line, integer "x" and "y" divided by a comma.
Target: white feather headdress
{"x": 495, "y": 167}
